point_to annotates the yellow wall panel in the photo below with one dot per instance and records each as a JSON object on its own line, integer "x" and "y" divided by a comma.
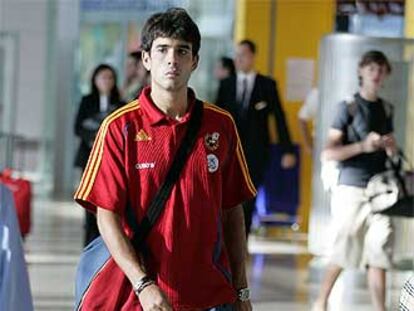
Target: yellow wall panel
{"x": 300, "y": 25}
{"x": 409, "y": 18}
{"x": 253, "y": 22}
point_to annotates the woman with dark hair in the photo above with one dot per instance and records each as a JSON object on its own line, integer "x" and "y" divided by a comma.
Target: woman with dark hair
{"x": 94, "y": 107}
{"x": 360, "y": 139}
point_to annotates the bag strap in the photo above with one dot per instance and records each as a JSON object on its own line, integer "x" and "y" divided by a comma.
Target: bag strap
{"x": 142, "y": 230}
{"x": 352, "y": 108}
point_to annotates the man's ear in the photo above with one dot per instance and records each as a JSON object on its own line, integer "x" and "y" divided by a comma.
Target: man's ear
{"x": 146, "y": 60}
{"x": 195, "y": 62}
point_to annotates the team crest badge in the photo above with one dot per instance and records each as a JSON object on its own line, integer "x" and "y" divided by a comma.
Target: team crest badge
{"x": 212, "y": 163}
{"x": 212, "y": 141}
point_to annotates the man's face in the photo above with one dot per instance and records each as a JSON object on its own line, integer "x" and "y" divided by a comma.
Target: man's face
{"x": 244, "y": 59}
{"x": 373, "y": 75}
{"x": 171, "y": 63}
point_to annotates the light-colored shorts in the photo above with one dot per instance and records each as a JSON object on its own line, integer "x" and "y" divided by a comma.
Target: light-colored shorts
{"x": 360, "y": 238}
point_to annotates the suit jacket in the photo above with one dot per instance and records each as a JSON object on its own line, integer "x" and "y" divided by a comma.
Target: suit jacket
{"x": 87, "y": 125}
{"x": 252, "y": 122}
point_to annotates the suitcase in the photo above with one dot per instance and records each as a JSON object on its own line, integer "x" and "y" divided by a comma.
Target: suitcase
{"x": 277, "y": 199}
{"x": 22, "y": 194}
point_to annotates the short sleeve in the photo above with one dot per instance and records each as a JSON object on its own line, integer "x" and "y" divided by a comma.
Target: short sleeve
{"x": 237, "y": 184}
{"x": 340, "y": 121}
{"x": 103, "y": 182}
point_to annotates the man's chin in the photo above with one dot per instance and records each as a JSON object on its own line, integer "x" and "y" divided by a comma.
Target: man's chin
{"x": 172, "y": 87}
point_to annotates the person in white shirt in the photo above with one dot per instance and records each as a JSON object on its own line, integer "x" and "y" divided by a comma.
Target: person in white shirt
{"x": 308, "y": 113}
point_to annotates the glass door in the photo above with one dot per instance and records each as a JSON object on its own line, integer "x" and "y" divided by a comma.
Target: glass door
{"x": 8, "y": 82}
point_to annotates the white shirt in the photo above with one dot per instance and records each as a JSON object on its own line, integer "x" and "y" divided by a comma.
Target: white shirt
{"x": 250, "y": 77}
{"x": 103, "y": 103}
{"x": 309, "y": 109}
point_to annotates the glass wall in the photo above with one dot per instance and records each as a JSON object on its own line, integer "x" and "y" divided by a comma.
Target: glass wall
{"x": 8, "y": 81}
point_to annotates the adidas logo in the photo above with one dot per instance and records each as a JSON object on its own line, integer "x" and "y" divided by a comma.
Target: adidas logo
{"x": 142, "y": 136}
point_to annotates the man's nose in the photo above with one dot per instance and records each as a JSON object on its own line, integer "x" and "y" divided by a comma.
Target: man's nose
{"x": 377, "y": 74}
{"x": 172, "y": 57}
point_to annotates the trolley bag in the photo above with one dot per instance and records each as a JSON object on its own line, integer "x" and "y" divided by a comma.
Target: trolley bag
{"x": 277, "y": 199}
{"x": 22, "y": 194}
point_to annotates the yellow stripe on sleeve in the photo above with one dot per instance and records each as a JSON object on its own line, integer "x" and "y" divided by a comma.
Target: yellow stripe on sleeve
{"x": 243, "y": 165}
{"x": 91, "y": 161}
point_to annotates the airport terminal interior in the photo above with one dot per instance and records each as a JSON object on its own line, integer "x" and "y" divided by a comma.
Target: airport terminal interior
{"x": 48, "y": 52}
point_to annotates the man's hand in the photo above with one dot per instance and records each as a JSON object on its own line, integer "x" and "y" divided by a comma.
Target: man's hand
{"x": 153, "y": 299}
{"x": 288, "y": 160}
{"x": 390, "y": 144}
{"x": 371, "y": 143}
{"x": 243, "y": 306}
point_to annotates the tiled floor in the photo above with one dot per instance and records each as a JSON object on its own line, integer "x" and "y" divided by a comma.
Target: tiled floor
{"x": 282, "y": 275}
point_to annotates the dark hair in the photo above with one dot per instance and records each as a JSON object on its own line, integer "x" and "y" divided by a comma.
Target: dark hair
{"x": 136, "y": 56}
{"x": 174, "y": 23}
{"x": 228, "y": 64}
{"x": 115, "y": 96}
{"x": 250, "y": 44}
{"x": 376, "y": 57}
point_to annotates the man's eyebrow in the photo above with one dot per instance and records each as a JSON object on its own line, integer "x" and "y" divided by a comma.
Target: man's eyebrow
{"x": 180, "y": 46}
{"x": 184, "y": 46}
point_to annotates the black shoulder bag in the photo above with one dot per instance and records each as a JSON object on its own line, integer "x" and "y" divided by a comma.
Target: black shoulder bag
{"x": 142, "y": 230}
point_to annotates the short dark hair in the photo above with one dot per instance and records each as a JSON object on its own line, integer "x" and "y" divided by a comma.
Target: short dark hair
{"x": 136, "y": 56}
{"x": 250, "y": 44}
{"x": 174, "y": 23}
{"x": 228, "y": 64}
{"x": 376, "y": 57}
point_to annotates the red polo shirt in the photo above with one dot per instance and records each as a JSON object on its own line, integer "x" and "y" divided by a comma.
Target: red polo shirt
{"x": 130, "y": 159}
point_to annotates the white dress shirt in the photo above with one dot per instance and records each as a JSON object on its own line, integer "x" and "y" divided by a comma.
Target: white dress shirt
{"x": 103, "y": 103}
{"x": 250, "y": 77}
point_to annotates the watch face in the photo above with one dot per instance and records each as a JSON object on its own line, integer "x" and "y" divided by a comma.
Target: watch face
{"x": 243, "y": 294}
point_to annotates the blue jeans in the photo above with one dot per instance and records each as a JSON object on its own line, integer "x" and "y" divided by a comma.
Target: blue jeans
{"x": 226, "y": 307}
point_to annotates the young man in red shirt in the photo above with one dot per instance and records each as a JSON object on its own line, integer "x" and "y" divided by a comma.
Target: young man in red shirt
{"x": 196, "y": 250}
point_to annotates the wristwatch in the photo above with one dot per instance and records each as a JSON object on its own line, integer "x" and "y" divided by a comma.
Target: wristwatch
{"x": 243, "y": 294}
{"x": 142, "y": 283}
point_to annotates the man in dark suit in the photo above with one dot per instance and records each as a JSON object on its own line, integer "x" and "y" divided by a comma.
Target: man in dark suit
{"x": 254, "y": 103}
